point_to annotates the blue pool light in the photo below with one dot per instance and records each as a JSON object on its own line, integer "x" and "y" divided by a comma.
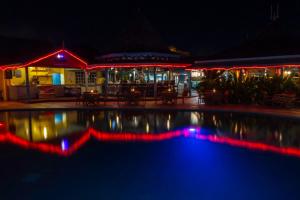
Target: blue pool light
{"x": 64, "y": 144}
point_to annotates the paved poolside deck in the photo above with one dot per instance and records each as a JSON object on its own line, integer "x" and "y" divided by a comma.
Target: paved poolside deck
{"x": 189, "y": 104}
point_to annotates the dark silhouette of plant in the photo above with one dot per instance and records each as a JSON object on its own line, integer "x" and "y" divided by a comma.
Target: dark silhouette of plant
{"x": 245, "y": 89}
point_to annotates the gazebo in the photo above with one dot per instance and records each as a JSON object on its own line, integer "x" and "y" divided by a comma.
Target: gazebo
{"x": 141, "y": 69}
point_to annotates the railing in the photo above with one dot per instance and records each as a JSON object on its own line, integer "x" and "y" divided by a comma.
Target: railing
{"x": 114, "y": 89}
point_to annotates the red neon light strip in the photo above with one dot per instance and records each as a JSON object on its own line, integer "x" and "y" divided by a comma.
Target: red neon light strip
{"x": 75, "y": 56}
{"x": 139, "y": 65}
{"x": 44, "y": 57}
{"x": 240, "y": 67}
{"x": 104, "y": 136}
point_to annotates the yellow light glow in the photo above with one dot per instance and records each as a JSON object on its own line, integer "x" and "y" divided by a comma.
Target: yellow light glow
{"x": 117, "y": 120}
{"x": 147, "y": 127}
{"x": 64, "y": 119}
{"x": 135, "y": 121}
{"x": 45, "y": 132}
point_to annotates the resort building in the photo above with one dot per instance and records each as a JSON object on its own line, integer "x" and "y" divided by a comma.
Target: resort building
{"x": 274, "y": 51}
{"x": 141, "y": 60}
{"x": 62, "y": 73}
{"x": 56, "y": 74}
{"x": 148, "y": 70}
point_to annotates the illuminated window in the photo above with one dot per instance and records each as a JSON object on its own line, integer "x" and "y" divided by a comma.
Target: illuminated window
{"x": 17, "y": 73}
{"x": 92, "y": 77}
{"x": 80, "y": 77}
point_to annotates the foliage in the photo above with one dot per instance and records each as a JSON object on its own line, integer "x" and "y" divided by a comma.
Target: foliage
{"x": 246, "y": 90}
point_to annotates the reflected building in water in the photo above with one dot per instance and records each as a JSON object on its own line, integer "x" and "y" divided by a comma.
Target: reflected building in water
{"x": 71, "y": 128}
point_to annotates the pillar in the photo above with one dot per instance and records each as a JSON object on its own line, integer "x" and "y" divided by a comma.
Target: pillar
{"x": 115, "y": 75}
{"x": 27, "y": 83}
{"x": 237, "y": 72}
{"x": 4, "y": 86}
{"x": 148, "y": 75}
{"x": 155, "y": 83}
{"x": 121, "y": 74}
{"x": 278, "y": 71}
{"x": 106, "y": 81}
{"x": 190, "y": 82}
{"x": 281, "y": 71}
{"x": 86, "y": 80}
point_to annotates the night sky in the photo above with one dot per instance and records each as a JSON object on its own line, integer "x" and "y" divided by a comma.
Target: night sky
{"x": 200, "y": 27}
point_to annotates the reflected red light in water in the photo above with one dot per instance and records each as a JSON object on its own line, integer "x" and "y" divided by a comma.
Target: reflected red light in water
{"x": 2, "y": 124}
{"x": 106, "y": 136}
{"x": 134, "y": 136}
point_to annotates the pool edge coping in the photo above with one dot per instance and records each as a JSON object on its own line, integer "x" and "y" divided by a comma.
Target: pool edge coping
{"x": 253, "y": 110}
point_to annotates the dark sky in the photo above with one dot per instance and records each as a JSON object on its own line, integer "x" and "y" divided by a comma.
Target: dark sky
{"x": 196, "y": 26}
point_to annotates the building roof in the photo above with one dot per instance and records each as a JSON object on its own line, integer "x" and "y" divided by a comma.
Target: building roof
{"x": 278, "y": 43}
{"x": 19, "y": 51}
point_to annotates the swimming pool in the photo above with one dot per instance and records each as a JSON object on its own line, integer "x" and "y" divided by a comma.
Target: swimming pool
{"x": 148, "y": 155}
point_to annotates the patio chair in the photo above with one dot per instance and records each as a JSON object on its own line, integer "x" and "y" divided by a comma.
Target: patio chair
{"x": 89, "y": 99}
{"x": 169, "y": 97}
{"x": 79, "y": 99}
{"x": 284, "y": 100}
{"x": 184, "y": 95}
{"x": 212, "y": 97}
{"x": 200, "y": 98}
{"x": 144, "y": 95}
{"x": 120, "y": 96}
{"x": 102, "y": 98}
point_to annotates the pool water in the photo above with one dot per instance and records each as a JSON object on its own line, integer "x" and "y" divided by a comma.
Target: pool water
{"x": 148, "y": 155}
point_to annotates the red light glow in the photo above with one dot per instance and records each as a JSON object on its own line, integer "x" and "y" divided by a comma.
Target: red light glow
{"x": 5, "y": 67}
{"x": 242, "y": 67}
{"x": 127, "y": 137}
{"x": 138, "y": 65}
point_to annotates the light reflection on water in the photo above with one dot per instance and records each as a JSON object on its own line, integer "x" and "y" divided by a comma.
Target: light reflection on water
{"x": 70, "y": 129}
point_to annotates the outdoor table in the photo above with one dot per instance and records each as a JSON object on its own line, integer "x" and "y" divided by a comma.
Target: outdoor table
{"x": 133, "y": 96}
{"x": 169, "y": 95}
{"x": 90, "y": 98}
